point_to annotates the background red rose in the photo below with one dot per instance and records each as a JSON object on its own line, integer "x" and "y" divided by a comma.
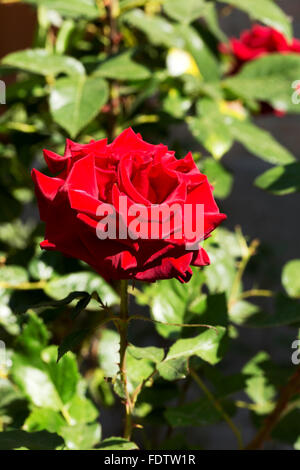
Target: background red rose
{"x": 258, "y": 41}
{"x": 89, "y": 175}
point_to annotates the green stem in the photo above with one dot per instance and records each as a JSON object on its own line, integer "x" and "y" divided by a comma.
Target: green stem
{"x": 180, "y": 325}
{"x": 23, "y": 285}
{"x": 123, "y": 330}
{"x": 219, "y": 408}
{"x": 256, "y": 293}
{"x": 248, "y": 252}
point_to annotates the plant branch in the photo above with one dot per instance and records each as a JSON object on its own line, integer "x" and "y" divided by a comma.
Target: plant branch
{"x": 23, "y": 285}
{"x": 256, "y": 293}
{"x": 123, "y": 330}
{"x": 219, "y": 408}
{"x": 182, "y": 325}
{"x": 291, "y": 389}
{"x": 247, "y": 253}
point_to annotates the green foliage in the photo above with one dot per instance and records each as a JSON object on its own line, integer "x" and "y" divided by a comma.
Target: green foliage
{"x": 75, "y": 101}
{"x": 291, "y": 278}
{"x": 43, "y": 62}
{"x": 268, "y": 78}
{"x": 89, "y": 74}
{"x": 117, "y": 443}
{"x": 280, "y": 180}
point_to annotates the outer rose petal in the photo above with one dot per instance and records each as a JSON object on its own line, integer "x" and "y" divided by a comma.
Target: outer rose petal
{"x": 169, "y": 268}
{"x": 129, "y": 141}
{"x": 83, "y": 176}
{"x": 73, "y": 151}
{"x": 46, "y": 189}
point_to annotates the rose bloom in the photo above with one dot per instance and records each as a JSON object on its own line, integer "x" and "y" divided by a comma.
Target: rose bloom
{"x": 88, "y": 176}
{"x": 259, "y": 41}
{"x": 255, "y": 43}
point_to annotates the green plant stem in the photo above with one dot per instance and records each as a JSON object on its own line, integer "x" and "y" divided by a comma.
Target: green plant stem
{"x": 257, "y": 293}
{"x": 182, "y": 325}
{"x": 248, "y": 252}
{"x": 218, "y": 407}
{"x": 288, "y": 392}
{"x": 123, "y": 330}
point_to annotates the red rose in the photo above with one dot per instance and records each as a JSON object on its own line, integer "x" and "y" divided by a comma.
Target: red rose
{"x": 258, "y": 41}
{"x": 93, "y": 176}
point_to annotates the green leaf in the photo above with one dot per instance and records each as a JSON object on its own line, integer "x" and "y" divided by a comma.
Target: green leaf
{"x": 76, "y": 8}
{"x": 13, "y": 275}
{"x": 83, "y": 281}
{"x": 158, "y": 30}
{"x": 117, "y": 443}
{"x": 108, "y": 352}
{"x": 34, "y": 337}
{"x": 42, "y": 440}
{"x": 8, "y": 320}
{"x": 176, "y": 104}
{"x": 199, "y": 413}
{"x": 212, "y": 20}
{"x": 265, "y": 11}
{"x": 210, "y": 127}
{"x": 170, "y": 302}
{"x": 76, "y": 101}
{"x": 286, "y": 312}
{"x": 291, "y": 278}
{"x": 45, "y": 63}
{"x": 122, "y": 67}
{"x": 220, "y": 274}
{"x": 261, "y": 393}
{"x": 212, "y": 133}
{"x": 259, "y": 387}
{"x": 153, "y": 354}
{"x": 173, "y": 369}
{"x": 280, "y": 180}
{"x": 40, "y": 270}
{"x": 241, "y": 312}
{"x": 208, "y": 346}
{"x": 81, "y": 305}
{"x": 82, "y": 410}
{"x": 71, "y": 341}
{"x": 260, "y": 142}
{"x": 169, "y": 306}
{"x": 184, "y": 12}
{"x": 35, "y": 382}
{"x": 8, "y": 394}
{"x": 204, "y": 58}
{"x": 163, "y": 33}
{"x": 210, "y": 310}
{"x": 138, "y": 370}
{"x": 64, "y": 374}
{"x": 219, "y": 177}
{"x": 268, "y": 78}
{"x": 81, "y": 436}
{"x": 44, "y": 419}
